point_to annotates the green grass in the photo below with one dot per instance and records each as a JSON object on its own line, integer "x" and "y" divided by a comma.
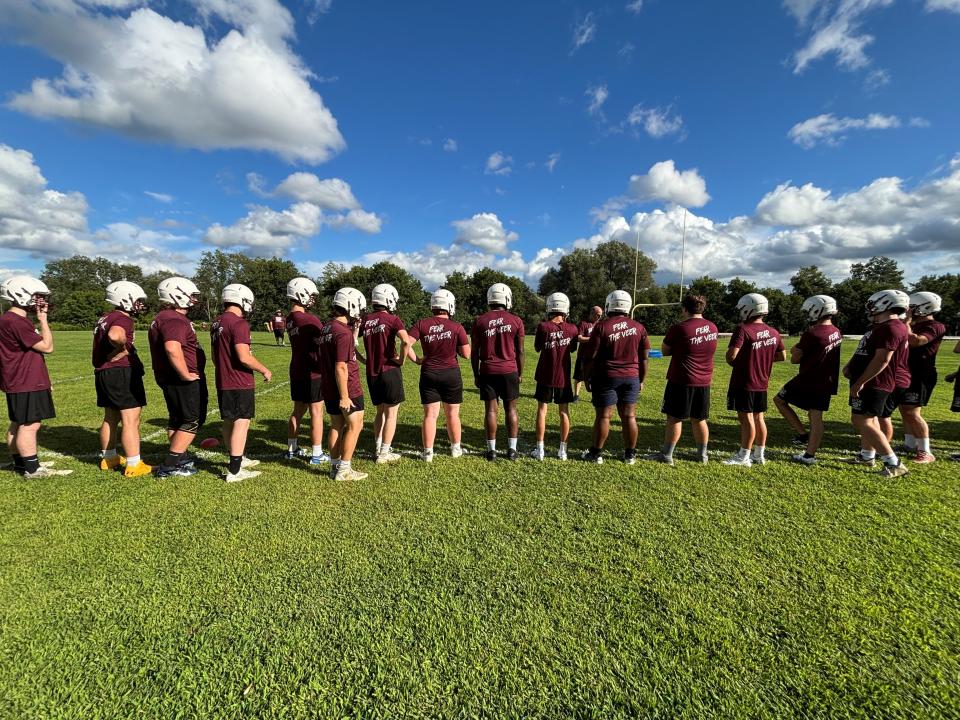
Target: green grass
{"x": 465, "y": 589}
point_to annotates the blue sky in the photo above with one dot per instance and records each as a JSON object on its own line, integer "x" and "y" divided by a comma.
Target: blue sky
{"x": 456, "y": 135}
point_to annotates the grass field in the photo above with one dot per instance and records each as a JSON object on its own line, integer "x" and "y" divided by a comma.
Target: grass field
{"x": 469, "y": 589}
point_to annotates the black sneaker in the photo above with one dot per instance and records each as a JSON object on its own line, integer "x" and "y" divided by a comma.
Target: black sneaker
{"x": 592, "y": 457}
{"x": 490, "y": 455}
{"x": 512, "y": 454}
{"x": 801, "y": 440}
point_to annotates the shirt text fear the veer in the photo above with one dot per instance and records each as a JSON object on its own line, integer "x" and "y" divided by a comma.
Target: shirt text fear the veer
{"x": 621, "y": 330}
{"x": 763, "y": 340}
{"x": 496, "y": 327}
{"x": 437, "y": 333}
{"x": 703, "y": 334}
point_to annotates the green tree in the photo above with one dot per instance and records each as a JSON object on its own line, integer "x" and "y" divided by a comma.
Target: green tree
{"x": 526, "y": 305}
{"x": 715, "y": 292}
{"x": 80, "y": 309}
{"x": 948, "y": 288}
{"x": 266, "y": 277}
{"x": 72, "y": 276}
{"x": 414, "y": 300}
{"x": 810, "y": 280}
{"x": 878, "y": 273}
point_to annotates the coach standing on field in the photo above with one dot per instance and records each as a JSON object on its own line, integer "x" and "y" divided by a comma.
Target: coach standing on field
{"x": 23, "y": 372}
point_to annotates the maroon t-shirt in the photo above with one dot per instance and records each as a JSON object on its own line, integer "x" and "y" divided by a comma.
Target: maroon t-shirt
{"x": 171, "y": 325}
{"x": 279, "y": 323}
{"x": 440, "y": 338}
{"x": 616, "y": 345}
{"x": 888, "y": 335}
{"x": 759, "y": 344}
{"x": 21, "y": 368}
{"x": 496, "y": 336}
{"x": 585, "y": 327}
{"x": 337, "y": 345}
{"x": 692, "y": 343}
{"x": 103, "y": 348}
{"x": 819, "y": 372}
{"x": 304, "y": 331}
{"x": 555, "y": 342}
{"x": 379, "y": 330}
{"x": 226, "y": 333}
{"x": 923, "y": 359}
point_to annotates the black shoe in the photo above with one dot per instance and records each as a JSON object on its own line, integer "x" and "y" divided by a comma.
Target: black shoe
{"x": 490, "y": 455}
{"x": 801, "y": 440}
{"x": 512, "y": 454}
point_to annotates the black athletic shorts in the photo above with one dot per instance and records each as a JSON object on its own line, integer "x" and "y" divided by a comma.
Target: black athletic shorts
{"x": 386, "y": 388}
{"x": 333, "y": 405}
{"x": 686, "y": 401}
{"x": 578, "y": 369}
{"x": 556, "y": 395}
{"x": 894, "y": 400}
{"x": 237, "y": 404}
{"x": 278, "y": 334}
{"x": 919, "y": 392}
{"x": 870, "y": 403}
{"x": 27, "y": 408}
{"x": 499, "y": 387}
{"x": 306, "y": 391}
{"x": 120, "y": 388}
{"x": 441, "y": 386}
{"x": 186, "y": 405}
{"x": 747, "y": 401}
{"x": 802, "y": 398}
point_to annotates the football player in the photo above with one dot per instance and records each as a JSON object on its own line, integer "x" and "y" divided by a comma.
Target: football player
{"x": 690, "y": 344}
{"x": 340, "y": 381}
{"x": 818, "y": 355}
{"x": 303, "y": 329}
{"x": 279, "y": 325}
{"x": 584, "y": 328}
{"x": 23, "y": 371}
{"x": 615, "y": 365}
{"x": 178, "y": 367}
{"x": 873, "y": 378}
{"x": 118, "y": 377}
{"x": 555, "y": 340}
{"x": 380, "y": 330}
{"x": 754, "y": 348}
{"x": 441, "y": 339}
{"x": 497, "y": 362}
{"x": 234, "y": 366}
{"x": 925, "y": 336}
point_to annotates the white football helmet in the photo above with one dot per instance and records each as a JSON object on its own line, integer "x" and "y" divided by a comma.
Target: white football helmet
{"x": 818, "y": 307}
{"x": 619, "y": 301}
{"x": 385, "y": 295}
{"x": 443, "y": 299}
{"x": 500, "y": 294}
{"x": 239, "y": 295}
{"x": 925, "y": 303}
{"x": 752, "y": 305}
{"x": 128, "y": 296}
{"x": 180, "y": 292}
{"x": 351, "y": 300}
{"x": 887, "y": 300}
{"x": 558, "y": 303}
{"x": 22, "y": 290}
{"x": 303, "y": 290}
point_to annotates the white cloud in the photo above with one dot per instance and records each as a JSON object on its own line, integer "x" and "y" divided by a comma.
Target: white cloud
{"x": 656, "y": 122}
{"x": 148, "y": 76}
{"x": 499, "y": 164}
{"x": 330, "y": 194}
{"x": 828, "y": 129}
{"x": 949, "y": 5}
{"x": 159, "y": 197}
{"x": 361, "y": 220}
{"x": 484, "y": 231}
{"x": 635, "y": 6}
{"x": 919, "y": 122}
{"x": 598, "y": 95}
{"x": 625, "y": 51}
{"x": 450, "y": 145}
{"x": 552, "y": 161}
{"x": 584, "y": 32}
{"x": 664, "y": 182}
{"x": 268, "y": 231}
{"x": 835, "y": 30}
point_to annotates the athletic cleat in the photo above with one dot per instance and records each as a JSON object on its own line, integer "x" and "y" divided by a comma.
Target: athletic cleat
{"x": 111, "y": 463}
{"x": 758, "y": 460}
{"x": 659, "y": 457}
{"x": 248, "y": 463}
{"x": 590, "y": 457}
{"x": 512, "y": 455}
{"x": 892, "y": 471}
{"x": 561, "y": 454}
{"x": 490, "y": 455}
{"x": 181, "y": 470}
{"x": 387, "y": 457}
{"x": 801, "y": 440}
{"x": 427, "y": 456}
{"x": 45, "y": 472}
{"x": 923, "y": 457}
{"x": 456, "y": 452}
{"x": 297, "y": 454}
{"x": 537, "y": 454}
{"x": 804, "y": 458}
{"x": 742, "y": 460}
{"x": 859, "y": 459}
{"x": 319, "y": 459}
{"x": 137, "y": 470}
{"x": 349, "y": 474}
{"x": 630, "y": 457}
{"x": 242, "y": 474}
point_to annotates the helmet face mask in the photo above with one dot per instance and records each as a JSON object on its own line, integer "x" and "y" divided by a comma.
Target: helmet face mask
{"x": 923, "y": 304}
{"x": 239, "y": 295}
{"x": 179, "y": 292}
{"x": 303, "y": 291}
{"x": 25, "y": 292}
{"x": 818, "y": 307}
{"x": 887, "y": 301}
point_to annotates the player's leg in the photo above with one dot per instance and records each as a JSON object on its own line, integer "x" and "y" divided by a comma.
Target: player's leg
{"x": 130, "y": 435}
{"x": 886, "y": 427}
{"x": 108, "y": 439}
{"x": 793, "y": 420}
{"x": 451, "y": 413}
{"x": 15, "y": 455}
{"x": 335, "y": 441}
{"x": 701, "y": 437}
{"x": 316, "y": 433}
{"x": 235, "y": 441}
{"x": 915, "y": 424}
{"x": 349, "y": 435}
{"x": 512, "y": 420}
{"x": 491, "y": 415}
{"x": 25, "y": 440}
{"x": 672, "y": 430}
{"x": 816, "y": 431}
{"x": 294, "y": 423}
{"x": 564, "y": 423}
{"x": 388, "y": 428}
{"x": 428, "y": 431}
{"x": 748, "y": 431}
{"x": 378, "y": 419}
{"x": 760, "y": 438}
{"x": 874, "y": 436}
{"x": 628, "y": 421}
{"x": 601, "y": 428}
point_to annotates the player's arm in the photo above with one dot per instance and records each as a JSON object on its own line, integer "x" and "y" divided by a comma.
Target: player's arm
{"x": 781, "y": 355}
{"x": 464, "y": 351}
{"x": 666, "y": 350}
{"x": 45, "y": 344}
{"x": 343, "y": 384}
{"x": 250, "y": 362}
{"x": 521, "y": 353}
{"x": 731, "y": 355}
{"x": 881, "y": 358}
{"x": 644, "y": 362}
{"x": 407, "y": 348}
{"x": 174, "y": 352}
{"x": 118, "y": 338}
{"x": 796, "y": 354}
{"x": 539, "y": 339}
{"x": 475, "y": 357}
{"x": 736, "y": 342}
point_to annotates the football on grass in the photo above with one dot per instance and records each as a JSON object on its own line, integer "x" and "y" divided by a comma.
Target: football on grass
{"x": 209, "y": 443}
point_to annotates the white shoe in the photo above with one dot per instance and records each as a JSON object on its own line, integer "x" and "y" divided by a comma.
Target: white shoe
{"x": 758, "y": 460}
{"x": 248, "y": 463}
{"x": 537, "y": 454}
{"x": 738, "y": 459}
{"x": 387, "y": 457}
{"x": 456, "y": 452}
{"x": 348, "y": 474}
{"x": 242, "y": 475}
{"x": 46, "y": 472}
{"x": 802, "y": 458}
{"x": 561, "y": 454}
{"x": 427, "y": 455}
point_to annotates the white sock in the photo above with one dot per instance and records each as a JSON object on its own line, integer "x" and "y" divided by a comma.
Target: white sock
{"x": 512, "y": 443}
{"x": 758, "y": 451}
{"x": 868, "y": 454}
{"x": 909, "y": 440}
{"x": 743, "y": 452}
{"x": 890, "y": 459}
{"x": 453, "y": 446}
{"x": 133, "y": 461}
{"x": 384, "y": 449}
{"x": 292, "y": 445}
{"x": 563, "y": 447}
{"x": 924, "y": 444}
{"x": 428, "y": 451}
{"x": 317, "y": 450}
{"x": 491, "y": 445}
{"x": 540, "y": 446}
{"x": 109, "y": 453}
{"x": 344, "y": 465}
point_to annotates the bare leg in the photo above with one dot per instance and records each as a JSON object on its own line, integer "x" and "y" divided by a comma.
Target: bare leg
{"x": 542, "y": 421}
{"x": 513, "y": 420}
{"x": 316, "y": 423}
{"x": 108, "y": 429}
{"x": 389, "y": 423}
{"x": 454, "y": 429}
{"x": 701, "y": 431}
{"x": 875, "y": 436}
{"x": 789, "y": 415}
{"x": 378, "y": 424}
{"x": 913, "y": 422}
{"x": 296, "y": 419}
{"x": 334, "y": 441}
{"x": 12, "y": 439}
{"x": 601, "y": 426}
{"x": 235, "y": 432}
{"x": 564, "y": 422}
{"x": 351, "y": 433}
{"x": 672, "y": 431}
{"x": 747, "y": 430}
{"x": 428, "y": 432}
{"x": 886, "y": 427}
{"x": 760, "y": 424}
{"x": 26, "y": 439}
{"x": 628, "y": 418}
{"x": 816, "y": 432}
{"x": 180, "y": 440}
{"x": 490, "y": 419}
{"x": 130, "y": 432}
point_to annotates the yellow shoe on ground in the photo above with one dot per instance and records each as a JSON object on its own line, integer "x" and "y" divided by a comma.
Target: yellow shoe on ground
{"x": 138, "y": 470}
{"x": 112, "y": 463}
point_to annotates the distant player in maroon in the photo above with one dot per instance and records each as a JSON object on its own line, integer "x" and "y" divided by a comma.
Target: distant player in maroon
{"x": 555, "y": 340}
{"x": 441, "y": 339}
{"x": 584, "y": 328}
{"x": 23, "y": 371}
{"x": 303, "y": 329}
{"x": 690, "y": 344}
{"x": 818, "y": 355}
{"x": 118, "y": 377}
{"x": 754, "y": 348}
{"x": 615, "y": 363}
{"x": 279, "y": 325}
{"x": 925, "y": 336}
{"x": 497, "y": 361}
{"x": 234, "y": 365}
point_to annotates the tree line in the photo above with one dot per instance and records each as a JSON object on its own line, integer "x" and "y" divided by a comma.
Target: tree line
{"x": 585, "y": 275}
